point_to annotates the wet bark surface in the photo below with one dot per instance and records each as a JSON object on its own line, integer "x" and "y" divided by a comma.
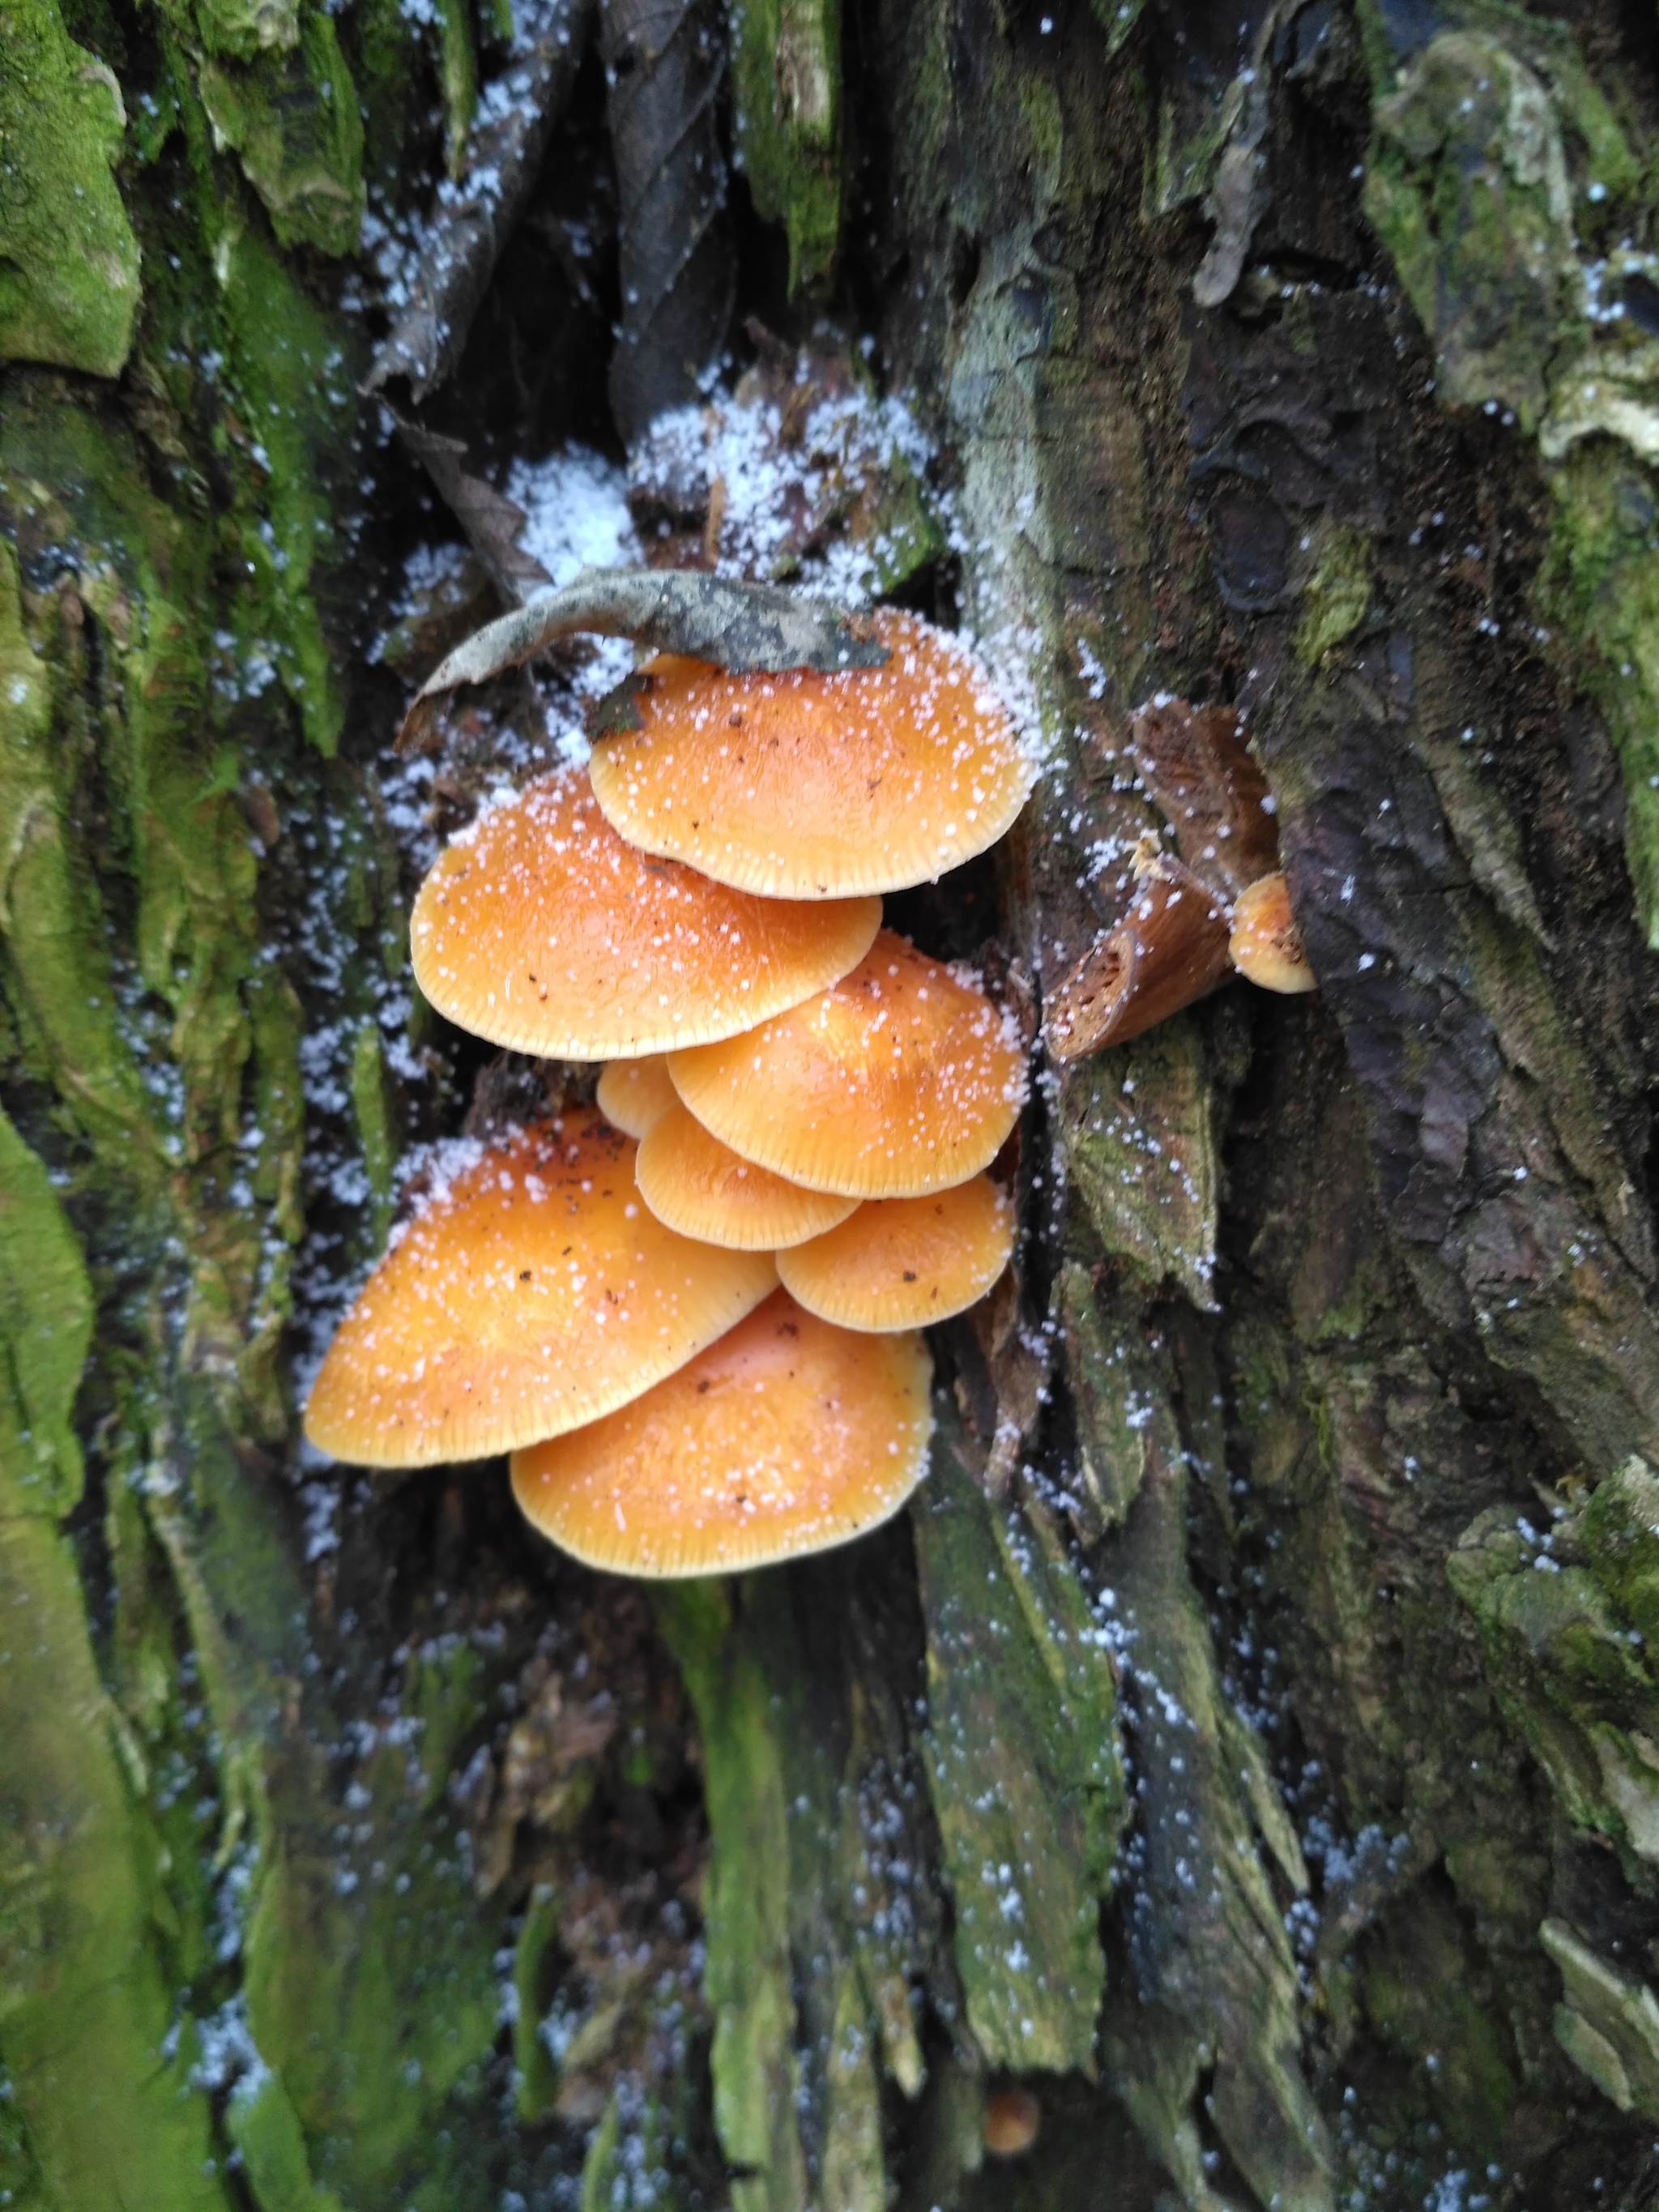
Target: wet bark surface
{"x": 1246, "y": 1742}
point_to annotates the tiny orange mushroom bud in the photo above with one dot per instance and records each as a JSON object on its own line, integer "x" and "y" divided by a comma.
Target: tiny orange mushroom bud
{"x": 1013, "y": 2118}
{"x": 1170, "y": 948}
{"x": 802, "y": 786}
{"x": 703, "y": 1189}
{"x": 540, "y": 929}
{"x": 1265, "y": 944}
{"x": 533, "y": 1293}
{"x": 904, "y": 1263}
{"x": 788, "y": 1436}
{"x": 632, "y": 1094}
{"x": 899, "y": 1079}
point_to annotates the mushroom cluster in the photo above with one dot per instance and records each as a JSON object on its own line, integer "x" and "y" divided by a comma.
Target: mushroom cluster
{"x": 691, "y": 1312}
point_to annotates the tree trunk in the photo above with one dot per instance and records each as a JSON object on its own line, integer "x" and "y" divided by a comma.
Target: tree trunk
{"x": 1247, "y": 1745}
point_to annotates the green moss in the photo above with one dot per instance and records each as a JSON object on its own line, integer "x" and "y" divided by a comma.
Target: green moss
{"x": 1023, "y": 1766}
{"x": 785, "y": 69}
{"x": 1139, "y": 1124}
{"x": 292, "y": 117}
{"x": 1336, "y": 597}
{"x": 45, "y": 1327}
{"x": 265, "y": 2129}
{"x": 458, "y": 73}
{"x": 746, "y": 1898}
{"x": 84, "y": 2006}
{"x": 1416, "y": 1988}
{"x": 1608, "y": 2025}
{"x": 1600, "y": 582}
{"x": 371, "y": 1107}
{"x": 69, "y": 276}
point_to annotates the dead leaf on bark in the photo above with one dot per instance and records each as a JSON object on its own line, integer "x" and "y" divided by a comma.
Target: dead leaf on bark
{"x": 1169, "y": 949}
{"x": 1195, "y": 763}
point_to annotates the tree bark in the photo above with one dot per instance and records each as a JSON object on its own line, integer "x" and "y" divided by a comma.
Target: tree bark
{"x": 1248, "y": 1742}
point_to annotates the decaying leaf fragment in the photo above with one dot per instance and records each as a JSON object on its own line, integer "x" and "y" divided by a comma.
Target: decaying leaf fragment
{"x": 1169, "y": 948}
{"x": 740, "y": 626}
{"x": 1195, "y": 763}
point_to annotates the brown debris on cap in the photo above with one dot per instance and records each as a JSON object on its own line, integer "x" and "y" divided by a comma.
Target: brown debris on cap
{"x": 897, "y": 1080}
{"x": 1170, "y": 948}
{"x": 1194, "y": 762}
{"x": 1265, "y": 945}
{"x": 788, "y": 1436}
{"x": 700, "y": 1186}
{"x": 540, "y": 929}
{"x": 533, "y": 1292}
{"x": 632, "y": 1094}
{"x": 905, "y": 1262}
{"x": 804, "y": 786}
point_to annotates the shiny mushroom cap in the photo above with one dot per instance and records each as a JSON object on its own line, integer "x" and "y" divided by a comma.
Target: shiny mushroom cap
{"x": 541, "y": 930}
{"x": 703, "y": 1189}
{"x": 903, "y": 1262}
{"x": 632, "y": 1094}
{"x": 532, "y": 1292}
{"x": 1265, "y": 944}
{"x": 804, "y": 786}
{"x": 899, "y": 1079}
{"x": 787, "y": 1435}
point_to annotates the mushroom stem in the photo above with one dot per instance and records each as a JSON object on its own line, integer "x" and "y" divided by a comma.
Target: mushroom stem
{"x": 1170, "y": 948}
{"x": 736, "y": 625}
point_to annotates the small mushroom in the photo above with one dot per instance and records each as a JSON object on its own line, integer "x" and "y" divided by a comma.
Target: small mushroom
{"x": 532, "y": 1293}
{"x": 1013, "y": 2118}
{"x": 1170, "y": 948}
{"x": 700, "y": 1186}
{"x": 540, "y": 929}
{"x": 632, "y": 1094}
{"x": 788, "y": 1436}
{"x": 903, "y": 1262}
{"x": 899, "y": 1079}
{"x": 1265, "y": 944}
{"x": 802, "y": 786}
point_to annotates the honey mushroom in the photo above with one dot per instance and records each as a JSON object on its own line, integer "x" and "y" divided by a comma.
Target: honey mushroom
{"x": 787, "y": 1435}
{"x": 897, "y": 1080}
{"x": 540, "y": 929}
{"x": 532, "y": 1294}
{"x": 800, "y": 785}
{"x": 1265, "y": 944}
{"x": 600, "y": 1295}
{"x": 632, "y": 1094}
{"x": 703, "y": 1189}
{"x": 905, "y": 1262}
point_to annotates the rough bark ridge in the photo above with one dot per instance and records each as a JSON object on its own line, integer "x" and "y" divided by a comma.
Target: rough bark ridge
{"x": 1248, "y": 1740}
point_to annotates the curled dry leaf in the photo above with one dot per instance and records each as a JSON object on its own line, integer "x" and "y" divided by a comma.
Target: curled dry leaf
{"x": 738, "y": 626}
{"x": 491, "y": 521}
{"x": 1195, "y": 763}
{"x": 1169, "y": 948}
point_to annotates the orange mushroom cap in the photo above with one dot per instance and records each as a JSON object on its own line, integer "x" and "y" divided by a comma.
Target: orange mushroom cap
{"x": 1013, "y": 2122}
{"x": 899, "y": 1079}
{"x": 532, "y": 1293}
{"x": 1265, "y": 944}
{"x": 540, "y": 929}
{"x": 787, "y": 1435}
{"x": 798, "y": 785}
{"x": 903, "y": 1262}
{"x": 703, "y": 1189}
{"x": 632, "y": 1094}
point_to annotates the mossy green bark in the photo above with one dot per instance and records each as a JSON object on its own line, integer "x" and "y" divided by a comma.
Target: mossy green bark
{"x": 68, "y": 261}
{"x": 1496, "y": 159}
{"x": 787, "y": 71}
